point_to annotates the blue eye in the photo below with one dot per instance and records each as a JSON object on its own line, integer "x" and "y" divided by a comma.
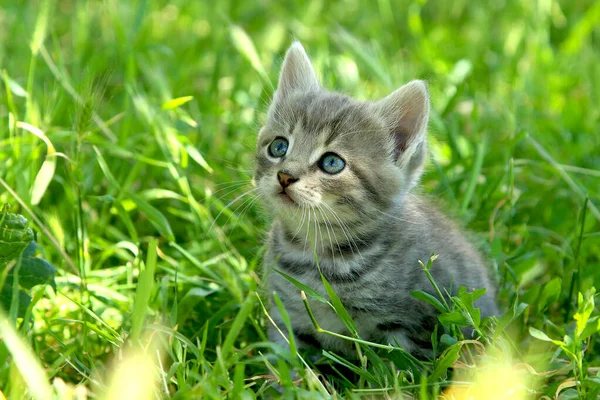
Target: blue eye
{"x": 278, "y": 147}
{"x": 332, "y": 163}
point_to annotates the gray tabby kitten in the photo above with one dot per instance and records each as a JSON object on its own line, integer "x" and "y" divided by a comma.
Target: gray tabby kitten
{"x": 336, "y": 175}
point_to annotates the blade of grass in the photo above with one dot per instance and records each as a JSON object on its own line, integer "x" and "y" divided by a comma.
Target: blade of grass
{"x": 238, "y": 323}
{"x": 26, "y": 361}
{"x": 143, "y": 292}
{"x": 243, "y": 43}
{"x": 285, "y": 317}
{"x": 565, "y": 176}
{"x": 157, "y": 218}
{"x": 475, "y": 171}
{"x": 575, "y": 276}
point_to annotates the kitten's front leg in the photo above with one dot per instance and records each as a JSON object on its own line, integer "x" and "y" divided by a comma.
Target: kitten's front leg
{"x": 401, "y": 338}
{"x": 278, "y": 334}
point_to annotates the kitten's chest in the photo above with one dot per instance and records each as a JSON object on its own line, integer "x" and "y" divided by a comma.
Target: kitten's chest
{"x": 307, "y": 274}
{"x": 324, "y": 313}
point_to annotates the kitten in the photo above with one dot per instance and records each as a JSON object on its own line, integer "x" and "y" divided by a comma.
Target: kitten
{"x": 336, "y": 175}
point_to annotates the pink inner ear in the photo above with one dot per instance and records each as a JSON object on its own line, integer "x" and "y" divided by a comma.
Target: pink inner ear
{"x": 401, "y": 139}
{"x": 407, "y": 110}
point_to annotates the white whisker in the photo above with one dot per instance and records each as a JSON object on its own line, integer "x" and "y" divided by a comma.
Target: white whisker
{"x": 346, "y": 230}
{"x": 248, "y": 204}
{"x": 230, "y": 203}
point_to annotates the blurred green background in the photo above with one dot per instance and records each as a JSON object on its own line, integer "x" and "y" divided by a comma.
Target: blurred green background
{"x": 149, "y": 112}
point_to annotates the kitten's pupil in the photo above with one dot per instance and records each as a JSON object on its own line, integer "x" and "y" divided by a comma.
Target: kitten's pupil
{"x": 332, "y": 163}
{"x": 278, "y": 147}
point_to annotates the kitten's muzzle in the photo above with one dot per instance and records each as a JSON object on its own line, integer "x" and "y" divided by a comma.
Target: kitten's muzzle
{"x": 285, "y": 179}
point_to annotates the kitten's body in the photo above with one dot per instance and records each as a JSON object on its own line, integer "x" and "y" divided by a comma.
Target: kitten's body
{"x": 375, "y": 284}
{"x": 368, "y": 231}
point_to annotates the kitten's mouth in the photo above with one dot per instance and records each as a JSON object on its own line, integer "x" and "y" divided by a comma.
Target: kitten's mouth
{"x": 285, "y": 198}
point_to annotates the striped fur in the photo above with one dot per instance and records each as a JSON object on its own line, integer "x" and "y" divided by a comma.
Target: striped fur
{"x": 366, "y": 226}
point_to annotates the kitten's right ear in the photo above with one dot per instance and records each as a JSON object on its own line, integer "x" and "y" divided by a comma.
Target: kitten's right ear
{"x": 407, "y": 112}
{"x": 297, "y": 73}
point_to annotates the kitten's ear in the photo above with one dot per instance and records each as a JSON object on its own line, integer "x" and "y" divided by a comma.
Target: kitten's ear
{"x": 297, "y": 73}
{"x": 406, "y": 111}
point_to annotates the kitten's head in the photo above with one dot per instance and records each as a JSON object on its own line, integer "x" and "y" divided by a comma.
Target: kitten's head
{"x": 327, "y": 152}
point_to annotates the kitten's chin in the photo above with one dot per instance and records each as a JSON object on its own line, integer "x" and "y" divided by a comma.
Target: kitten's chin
{"x": 286, "y": 199}
{"x": 280, "y": 204}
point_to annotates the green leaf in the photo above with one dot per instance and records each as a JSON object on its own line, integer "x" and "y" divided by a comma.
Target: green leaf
{"x": 595, "y": 380}
{"x": 36, "y": 271}
{"x": 46, "y": 172}
{"x": 539, "y": 335}
{"x": 580, "y": 30}
{"x": 105, "y": 169}
{"x": 454, "y": 318}
{"x": 14, "y": 236}
{"x": 174, "y": 103}
{"x": 238, "y": 381}
{"x": 157, "y": 219}
{"x": 285, "y": 318}
{"x": 143, "y": 291}
{"x": 197, "y": 263}
{"x": 12, "y": 221}
{"x": 592, "y": 326}
{"x": 584, "y": 311}
{"x": 6, "y": 299}
{"x": 196, "y": 156}
{"x": 27, "y": 362}
{"x": 516, "y": 310}
{"x": 549, "y": 294}
{"x": 90, "y": 325}
{"x": 10, "y": 251}
{"x": 448, "y": 340}
{"x": 16, "y": 89}
{"x": 193, "y": 297}
{"x": 475, "y": 173}
{"x": 157, "y": 193}
{"x": 238, "y": 324}
{"x": 339, "y": 308}
{"x": 426, "y": 297}
{"x": 469, "y": 297}
{"x": 308, "y": 290}
{"x": 363, "y": 373}
{"x": 569, "y": 394}
{"x": 116, "y": 337}
{"x": 105, "y": 199}
{"x": 43, "y": 179}
{"x": 30, "y": 250}
{"x": 466, "y": 301}
{"x": 445, "y": 361}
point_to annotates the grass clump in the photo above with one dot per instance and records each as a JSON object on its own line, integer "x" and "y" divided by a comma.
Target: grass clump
{"x": 126, "y": 135}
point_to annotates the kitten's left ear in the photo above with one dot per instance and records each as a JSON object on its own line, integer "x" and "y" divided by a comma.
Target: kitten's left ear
{"x": 406, "y": 111}
{"x": 297, "y": 73}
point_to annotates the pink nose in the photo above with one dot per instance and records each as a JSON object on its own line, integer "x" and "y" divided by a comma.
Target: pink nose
{"x": 285, "y": 179}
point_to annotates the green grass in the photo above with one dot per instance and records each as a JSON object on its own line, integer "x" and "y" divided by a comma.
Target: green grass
{"x": 126, "y": 137}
